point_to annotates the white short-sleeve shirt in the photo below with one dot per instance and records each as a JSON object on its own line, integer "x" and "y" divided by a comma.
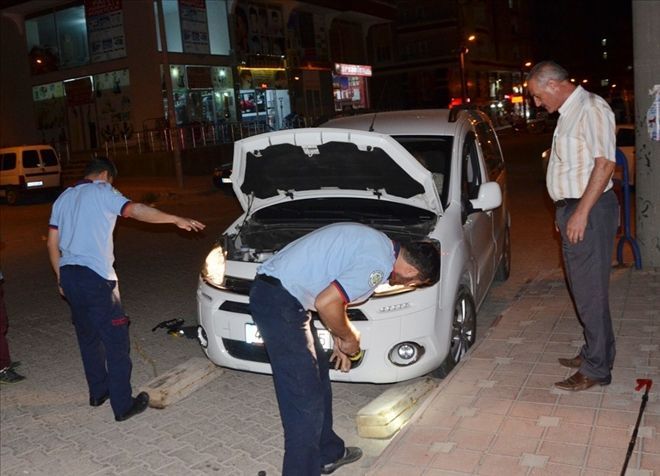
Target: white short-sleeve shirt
{"x": 585, "y": 130}
{"x": 85, "y": 217}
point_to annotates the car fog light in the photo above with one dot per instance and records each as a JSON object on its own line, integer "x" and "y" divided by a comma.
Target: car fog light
{"x": 201, "y": 337}
{"x": 405, "y": 353}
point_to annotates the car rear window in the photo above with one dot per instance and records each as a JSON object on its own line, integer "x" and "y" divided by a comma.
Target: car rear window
{"x": 434, "y": 153}
{"x": 625, "y": 138}
{"x": 8, "y": 161}
{"x": 30, "y": 159}
{"x": 48, "y": 156}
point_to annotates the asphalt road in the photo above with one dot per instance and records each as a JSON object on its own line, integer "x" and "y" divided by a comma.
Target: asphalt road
{"x": 231, "y": 426}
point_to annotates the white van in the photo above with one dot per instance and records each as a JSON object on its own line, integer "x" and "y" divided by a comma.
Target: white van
{"x": 28, "y": 168}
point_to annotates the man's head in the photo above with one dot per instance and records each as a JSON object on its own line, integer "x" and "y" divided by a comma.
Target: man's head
{"x": 549, "y": 86}
{"x": 101, "y": 168}
{"x": 418, "y": 264}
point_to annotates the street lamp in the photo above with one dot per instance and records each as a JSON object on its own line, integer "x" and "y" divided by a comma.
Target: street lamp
{"x": 463, "y": 50}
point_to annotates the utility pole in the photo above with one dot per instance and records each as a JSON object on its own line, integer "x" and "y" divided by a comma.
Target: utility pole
{"x": 171, "y": 113}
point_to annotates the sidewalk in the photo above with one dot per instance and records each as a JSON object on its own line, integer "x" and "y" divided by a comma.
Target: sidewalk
{"x": 498, "y": 412}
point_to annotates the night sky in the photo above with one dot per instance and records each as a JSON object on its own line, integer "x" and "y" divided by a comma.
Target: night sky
{"x": 570, "y": 32}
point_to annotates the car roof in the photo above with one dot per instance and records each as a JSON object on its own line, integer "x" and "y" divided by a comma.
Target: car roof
{"x": 412, "y": 122}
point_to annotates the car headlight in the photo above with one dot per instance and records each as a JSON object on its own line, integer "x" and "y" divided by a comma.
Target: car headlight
{"x": 213, "y": 271}
{"x": 385, "y": 289}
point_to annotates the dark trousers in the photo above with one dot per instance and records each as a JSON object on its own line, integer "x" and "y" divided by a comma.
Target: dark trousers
{"x": 5, "y": 360}
{"x": 102, "y": 331}
{"x": 301, "y": 377}
{"x": 587, "y": 265}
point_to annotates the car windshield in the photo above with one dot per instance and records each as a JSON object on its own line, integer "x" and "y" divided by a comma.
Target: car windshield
{"x": 434, "y": 153}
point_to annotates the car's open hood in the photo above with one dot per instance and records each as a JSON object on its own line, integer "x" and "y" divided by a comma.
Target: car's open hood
{"x": 306, "y": 163}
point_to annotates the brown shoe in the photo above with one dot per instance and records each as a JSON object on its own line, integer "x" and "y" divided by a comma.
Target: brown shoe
{"x": 573, "y": 363}
{"x": 578, "y": 381}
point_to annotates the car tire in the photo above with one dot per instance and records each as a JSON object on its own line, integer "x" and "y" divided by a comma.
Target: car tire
{"x": 463, "y": 332}
{"x": 504, "y": 267}
{"x": 12, "y": 196}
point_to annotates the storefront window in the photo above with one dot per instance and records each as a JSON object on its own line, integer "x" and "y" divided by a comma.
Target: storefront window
{"x": 264, "y": 96}
{"x": 42, "y": 44}
{"x": 63, "y": 39}
{"x": 349, "y": 84}
{"x": 202, "y": 94}
{"x": 72, "y": 36}
{"x": 49, "y": 107}
{"x": 113, "y": 106}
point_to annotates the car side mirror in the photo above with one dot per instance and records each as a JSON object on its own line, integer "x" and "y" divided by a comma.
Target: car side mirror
{"x": 490, "y": 197}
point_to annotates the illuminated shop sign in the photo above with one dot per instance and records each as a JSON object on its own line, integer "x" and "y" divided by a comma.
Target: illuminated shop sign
{"x": 343, "y": 69}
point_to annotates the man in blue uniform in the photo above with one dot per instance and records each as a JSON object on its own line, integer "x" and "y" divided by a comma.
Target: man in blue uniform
{"x": 324, "y": 271}
{"x": 80, "y": 248}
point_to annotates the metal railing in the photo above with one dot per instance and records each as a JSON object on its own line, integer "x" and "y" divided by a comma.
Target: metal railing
{"x": 192, "y": 136}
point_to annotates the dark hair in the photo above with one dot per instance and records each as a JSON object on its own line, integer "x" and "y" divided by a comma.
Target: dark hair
{"x": 425, "y": 257}
{"x": 101, "y": 164}
{"x": 545, "y": 71}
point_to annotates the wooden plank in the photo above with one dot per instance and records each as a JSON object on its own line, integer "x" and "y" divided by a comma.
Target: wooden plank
{"x": 180, "y": 381}
{"x": 384, "y": 415}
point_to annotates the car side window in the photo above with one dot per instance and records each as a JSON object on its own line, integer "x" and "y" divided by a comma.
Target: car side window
{"x": 470, "y": 171}
{"x": 30, "y": 158}
{"x": 8, "y": 161}
{"x": 48, "y": 157}
{"x": 491, "y": 150}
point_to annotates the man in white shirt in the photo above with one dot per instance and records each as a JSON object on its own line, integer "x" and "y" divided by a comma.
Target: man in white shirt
{"x": 579, "y": 181}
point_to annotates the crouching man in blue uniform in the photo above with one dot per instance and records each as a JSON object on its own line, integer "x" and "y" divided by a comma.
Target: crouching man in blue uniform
{"x": 81, "y": 252}
{"x": 324, "y": 271}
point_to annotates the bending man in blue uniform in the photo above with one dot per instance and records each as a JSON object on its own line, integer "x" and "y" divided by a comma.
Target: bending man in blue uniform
{"x": 81, "y": 252}
{"x": 324, "y": 271}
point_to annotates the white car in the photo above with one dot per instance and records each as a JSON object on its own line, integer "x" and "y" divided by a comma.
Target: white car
{"x": 411, "y": 174}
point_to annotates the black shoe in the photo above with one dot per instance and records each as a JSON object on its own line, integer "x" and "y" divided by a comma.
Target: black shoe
{"x": 97, "y": 402}
{"x": 140, "y": 404}
{"x": 7, "y": 375}
{"x": 352, "y": 454}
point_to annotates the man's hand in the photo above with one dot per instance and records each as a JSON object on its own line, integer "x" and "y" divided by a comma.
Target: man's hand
{"x": 575, "y": 227}
{"x": 189, "y": 224}
{"x": 341, "y": 360}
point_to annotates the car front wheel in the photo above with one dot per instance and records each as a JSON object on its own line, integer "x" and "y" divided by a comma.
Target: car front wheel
{"x": 463, "y": 332}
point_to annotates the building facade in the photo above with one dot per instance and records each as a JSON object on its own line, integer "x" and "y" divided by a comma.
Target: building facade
{"x": 87, "y": 72}
{"x": 438, "y": 54}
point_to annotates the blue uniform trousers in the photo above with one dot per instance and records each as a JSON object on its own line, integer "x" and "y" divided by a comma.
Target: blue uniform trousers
{"x": 102, "y": 331}
{"x": 301, "y": 377}
{"x": 588, "y": 264}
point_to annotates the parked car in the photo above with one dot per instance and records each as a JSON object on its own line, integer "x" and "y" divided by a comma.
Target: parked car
{"x": 420, "y": 174}
{"x": 28, "y": 169}
{"x": 625, "y": 140}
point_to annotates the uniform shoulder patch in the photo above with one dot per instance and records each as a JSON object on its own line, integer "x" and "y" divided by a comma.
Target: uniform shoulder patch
{"x": 375, "y": 278}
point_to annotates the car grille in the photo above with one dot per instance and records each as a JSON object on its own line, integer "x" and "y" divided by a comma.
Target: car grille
{"x": 257, "y": 353}
{"x": 243, "y": 308}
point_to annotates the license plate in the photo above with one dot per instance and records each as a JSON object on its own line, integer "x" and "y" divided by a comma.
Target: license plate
{"x": 252, "y": 336}
{"x": 36, "y": 183}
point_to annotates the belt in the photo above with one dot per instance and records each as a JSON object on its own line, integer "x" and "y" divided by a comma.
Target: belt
{"x": 565, "y": 202}
{"x": 272, "y": 280}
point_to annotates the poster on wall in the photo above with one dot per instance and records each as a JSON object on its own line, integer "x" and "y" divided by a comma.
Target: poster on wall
{"x": 194, "y": 26}
{"x": 105, "y": 29}
{"x": 113, "y": 103}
